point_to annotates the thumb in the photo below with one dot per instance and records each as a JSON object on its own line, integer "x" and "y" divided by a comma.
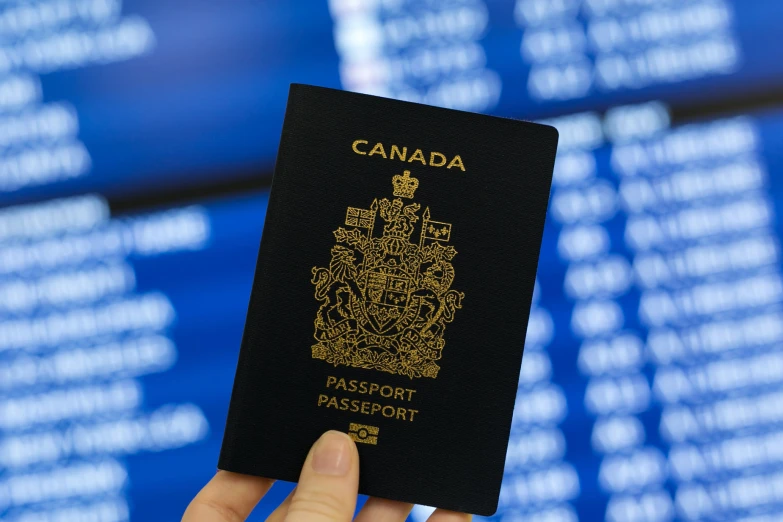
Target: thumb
{"x": 329, "y": 482}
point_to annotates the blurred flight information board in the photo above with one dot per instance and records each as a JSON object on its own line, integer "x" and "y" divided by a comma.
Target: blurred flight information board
{"x": 137, "y": 141}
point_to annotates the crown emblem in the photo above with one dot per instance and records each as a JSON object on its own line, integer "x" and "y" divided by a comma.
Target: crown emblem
{"x": 405, "y": 185}
{"x": 386, "y": 298}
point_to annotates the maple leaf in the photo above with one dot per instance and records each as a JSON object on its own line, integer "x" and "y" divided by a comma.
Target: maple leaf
{"x": 352, "y": 237}
{"x": 341, "y": 235}
{"x": 449, "y": 252}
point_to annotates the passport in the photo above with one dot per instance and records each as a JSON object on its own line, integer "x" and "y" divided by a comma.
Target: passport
{"x": 391, "y": 295}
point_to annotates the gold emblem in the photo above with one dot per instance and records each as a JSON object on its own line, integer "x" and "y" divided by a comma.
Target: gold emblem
{"x": 363, "y": 433}
{"x": 385, "y": 300}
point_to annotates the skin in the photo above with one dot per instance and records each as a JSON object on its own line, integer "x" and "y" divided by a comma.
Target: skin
{"x": 326, "y": 492}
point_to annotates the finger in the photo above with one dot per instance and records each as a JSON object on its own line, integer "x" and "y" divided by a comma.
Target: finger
{"x": 443, "y": 515}
{"x": 329, "y": 482}
{"x": 228, "y": 497}
{"x": 383, "y": 510}
{"x": 278, "y": 515}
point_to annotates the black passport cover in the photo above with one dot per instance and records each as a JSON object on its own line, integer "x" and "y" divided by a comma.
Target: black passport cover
{"x": 391, "y": 296}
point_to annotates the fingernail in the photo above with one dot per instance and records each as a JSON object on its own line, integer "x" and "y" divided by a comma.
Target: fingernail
{"x": 332, "y": 454}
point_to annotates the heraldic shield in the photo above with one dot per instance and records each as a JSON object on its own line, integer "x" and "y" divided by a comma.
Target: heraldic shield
{"x": 386, "y": 300}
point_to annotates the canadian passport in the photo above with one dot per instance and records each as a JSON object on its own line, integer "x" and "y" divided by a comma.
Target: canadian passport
{"x": 391, "y": 295}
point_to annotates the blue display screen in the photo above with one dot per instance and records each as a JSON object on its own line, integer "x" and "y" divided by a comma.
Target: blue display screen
{"x": 137, "y": 142}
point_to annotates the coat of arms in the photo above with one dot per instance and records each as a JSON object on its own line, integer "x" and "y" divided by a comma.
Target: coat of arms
{"x": 386, "y": 300}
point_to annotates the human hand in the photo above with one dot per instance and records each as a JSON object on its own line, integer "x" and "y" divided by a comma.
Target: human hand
{"x": 326, "y": 492}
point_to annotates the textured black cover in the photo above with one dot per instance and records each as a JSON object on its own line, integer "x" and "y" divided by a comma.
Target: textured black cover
{"x": 452, "y": 453}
